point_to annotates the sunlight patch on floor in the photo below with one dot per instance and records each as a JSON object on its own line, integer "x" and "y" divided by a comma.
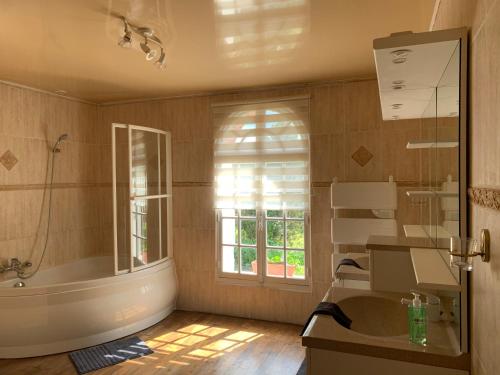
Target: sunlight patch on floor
{"x": 197, "y": 342}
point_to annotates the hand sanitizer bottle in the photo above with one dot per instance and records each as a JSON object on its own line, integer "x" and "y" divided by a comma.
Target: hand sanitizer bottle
{"x": 417, "y": 320}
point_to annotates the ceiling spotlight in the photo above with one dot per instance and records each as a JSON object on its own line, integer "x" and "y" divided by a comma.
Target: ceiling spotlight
{"x": 399, "y": 60}
{"x": 149, "y": 37}
{"x": 401, "y": 52}
{"x": 150, "y": 53}
{"x": 126, "y": 39}
{"x": 160, "y": 63}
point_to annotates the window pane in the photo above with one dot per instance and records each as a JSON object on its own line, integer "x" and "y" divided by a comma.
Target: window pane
{"x": 295, "y": 234}
{"x": 229, "y": 231}
{"x": 295, "y": 214}
{"x": 122, "y": 199}
{"x": 249, "y": 260}
{"x": 248, "y": 213}
{"x": 228, "y": 212}
{"x": 274, "y": 213}
{"x": 145, "y": 231}
{"x": 163, "y": 163}
{"x": 249, "y": 232}
{"x": 144, "y": 163}
{"x": 295, "y": 264}
{"x": 164, "y": 226}
{"x": 274, "y": 232}
{"x": 230, "y": 259}
{"x": 275, "y": 263}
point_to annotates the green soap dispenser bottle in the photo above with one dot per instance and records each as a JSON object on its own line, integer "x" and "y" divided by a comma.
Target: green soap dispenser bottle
{"x": 417, "y": 320}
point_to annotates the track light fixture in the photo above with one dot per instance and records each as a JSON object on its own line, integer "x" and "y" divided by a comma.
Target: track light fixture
{"x": 161, "y": 63}
{"x": 126, "y": 40}
{"x": 149, "y": 36}
{"x": 150, "y": 53}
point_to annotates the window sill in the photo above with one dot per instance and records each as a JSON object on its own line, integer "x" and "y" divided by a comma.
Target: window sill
{"x": 304, "y": 287}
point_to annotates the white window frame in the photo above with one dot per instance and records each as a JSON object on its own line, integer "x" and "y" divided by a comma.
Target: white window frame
{"x": 261, "y": 278}
{"x": 133, "y": 197}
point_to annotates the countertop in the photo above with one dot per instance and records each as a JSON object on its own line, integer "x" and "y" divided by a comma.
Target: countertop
{"x": 404, "y": 243}
{"x": 443, "y": 350}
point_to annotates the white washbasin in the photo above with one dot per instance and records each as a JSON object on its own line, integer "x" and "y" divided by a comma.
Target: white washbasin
{"x": 376, "y": 316}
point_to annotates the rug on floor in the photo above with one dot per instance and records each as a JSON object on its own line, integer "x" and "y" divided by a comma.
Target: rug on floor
{"x": 303, "y": 368}
{"x": 108, "y": 354}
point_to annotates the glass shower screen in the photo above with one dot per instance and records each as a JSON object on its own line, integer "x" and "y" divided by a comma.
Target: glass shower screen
{"x": 142, "y": 192}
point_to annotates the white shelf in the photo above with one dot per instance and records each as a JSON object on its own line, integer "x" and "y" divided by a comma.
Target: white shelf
{"x": 415, "y": 231}
{"x": 431, "y": 271}
{"x": 426, "y": 231}
{"x": 431, "y": 144}
{"x": 431, "y": 193}
{"x": 420, "y": 193}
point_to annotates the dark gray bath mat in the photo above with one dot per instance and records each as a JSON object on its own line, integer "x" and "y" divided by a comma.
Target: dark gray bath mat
{"x": 109, "y": 354}
{"x": 303, "y": 368}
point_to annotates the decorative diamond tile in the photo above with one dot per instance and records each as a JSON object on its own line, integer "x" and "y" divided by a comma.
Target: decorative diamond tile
{"x": 362, "y": 156}
{"x": 8, "y": 160}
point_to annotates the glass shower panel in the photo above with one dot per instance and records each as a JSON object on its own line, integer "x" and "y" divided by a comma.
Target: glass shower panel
{"x": 122, "y": 199}
{"x": 165, "y": 224}
{"x": 145, "y": 231}
{"x": 142, "y": 185}
{"x": 163, "y": 164}
{"x": 145, "y": 163}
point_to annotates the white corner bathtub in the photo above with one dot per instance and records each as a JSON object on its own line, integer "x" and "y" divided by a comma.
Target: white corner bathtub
{"x": 81, "y": 304}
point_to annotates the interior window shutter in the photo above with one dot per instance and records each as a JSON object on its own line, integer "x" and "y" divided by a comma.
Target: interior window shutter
{"x": 261, "y": 155}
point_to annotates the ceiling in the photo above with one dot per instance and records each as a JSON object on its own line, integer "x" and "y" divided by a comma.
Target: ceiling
{"x": 71, "y": 45}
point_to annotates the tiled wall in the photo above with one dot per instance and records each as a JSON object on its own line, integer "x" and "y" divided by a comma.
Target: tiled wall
{"x": 30, "y": 122}
{"x": 345, "y": 121}
{"x": 483, "y": 18}
{"x": 344, "y": 117}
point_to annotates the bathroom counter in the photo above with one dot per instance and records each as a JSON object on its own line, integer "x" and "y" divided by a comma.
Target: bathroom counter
{"x": 404, "y": 243}
{"x": 443, "y": 349}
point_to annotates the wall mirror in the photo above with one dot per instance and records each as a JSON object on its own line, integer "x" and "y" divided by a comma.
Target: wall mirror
{"x": 423, "y": 82}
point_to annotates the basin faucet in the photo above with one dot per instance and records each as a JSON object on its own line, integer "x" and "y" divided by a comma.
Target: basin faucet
{"x": 433, "y": 305}
{"x": 15, "y": 265}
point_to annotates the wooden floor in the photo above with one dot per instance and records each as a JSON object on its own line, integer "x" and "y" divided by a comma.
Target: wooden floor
{"x": 194, "y": 343}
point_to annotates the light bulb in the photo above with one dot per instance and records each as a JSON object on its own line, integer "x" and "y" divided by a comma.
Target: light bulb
{"x": 160, "y": 63}
{"x": 151, "y": 54}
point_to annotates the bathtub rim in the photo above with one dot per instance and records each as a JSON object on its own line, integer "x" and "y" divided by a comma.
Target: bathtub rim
{"x": 73, "y": 286}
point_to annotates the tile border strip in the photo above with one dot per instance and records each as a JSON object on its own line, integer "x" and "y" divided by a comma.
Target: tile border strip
{"x": 76, "y": 185}
{"x": 70, "y": 185}
{"x": 485, "y": 197}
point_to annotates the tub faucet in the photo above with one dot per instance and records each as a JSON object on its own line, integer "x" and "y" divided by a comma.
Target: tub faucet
{"x": 15, "y": 265}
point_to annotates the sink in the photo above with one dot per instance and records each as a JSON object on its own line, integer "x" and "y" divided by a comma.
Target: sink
{"x": 376, "y": 316}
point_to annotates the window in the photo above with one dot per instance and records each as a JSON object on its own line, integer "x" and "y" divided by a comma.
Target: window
{"x": 261, "y": 158}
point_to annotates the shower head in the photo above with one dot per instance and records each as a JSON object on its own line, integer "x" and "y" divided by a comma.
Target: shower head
{"x": 61, "y": 139}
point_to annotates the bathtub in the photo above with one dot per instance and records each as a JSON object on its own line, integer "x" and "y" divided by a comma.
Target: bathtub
{"x": 81, "y": 304}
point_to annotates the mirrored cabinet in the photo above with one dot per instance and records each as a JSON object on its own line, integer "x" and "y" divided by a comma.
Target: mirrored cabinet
{"x": 423, "y": 83}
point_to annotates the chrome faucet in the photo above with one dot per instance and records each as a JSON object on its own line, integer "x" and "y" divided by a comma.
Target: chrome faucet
{"x": 15, "y": 265}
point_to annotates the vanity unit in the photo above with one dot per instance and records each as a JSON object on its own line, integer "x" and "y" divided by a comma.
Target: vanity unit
{"x": 422, "y": 80}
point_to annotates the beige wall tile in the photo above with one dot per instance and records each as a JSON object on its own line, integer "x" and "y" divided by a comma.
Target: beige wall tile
{"x": 371, "y": 171}
{"x": 327, "y": 109}
{"x": 484, "y": 88}
{"x": 343, "y": 117}
{"x": 362, "y": 106}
